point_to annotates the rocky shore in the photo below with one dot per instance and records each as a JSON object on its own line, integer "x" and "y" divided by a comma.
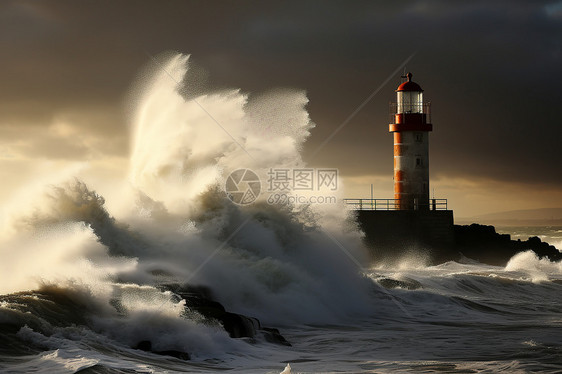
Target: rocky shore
{"x": 482, "y": 243}
{"x": 199, "y": 299}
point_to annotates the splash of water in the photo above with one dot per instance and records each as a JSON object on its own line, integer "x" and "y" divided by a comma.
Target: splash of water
{"x": 537, "y": 269}
{"x": 182, "y": 146}
{"x": 182, "y": 149}
{"x": 274, "y": 263}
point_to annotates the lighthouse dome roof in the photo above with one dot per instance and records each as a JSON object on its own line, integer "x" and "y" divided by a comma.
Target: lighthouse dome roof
{"x": 409, "y": 85}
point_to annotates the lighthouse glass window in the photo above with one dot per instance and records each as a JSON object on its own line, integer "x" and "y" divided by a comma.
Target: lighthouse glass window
{"x": 410, "y": 102}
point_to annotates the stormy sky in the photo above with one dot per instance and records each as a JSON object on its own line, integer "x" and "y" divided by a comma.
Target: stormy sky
{"x": 490, "y": 68}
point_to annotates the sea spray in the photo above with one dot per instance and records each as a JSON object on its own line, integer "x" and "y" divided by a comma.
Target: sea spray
{"x": 182, "y": 146}
{"x": 57, "y": 243}
{"x": 182, "y": 150}
{"x": 175, "y": 224}
{"x": 99, "y": 265}
{"x": 537, "y": 269}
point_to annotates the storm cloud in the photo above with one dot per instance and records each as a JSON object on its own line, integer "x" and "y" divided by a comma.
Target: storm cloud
{"x": 490, "y": 68}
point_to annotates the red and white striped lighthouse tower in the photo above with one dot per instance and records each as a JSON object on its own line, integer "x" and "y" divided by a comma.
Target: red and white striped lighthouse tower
{"x": 411, "y": 126}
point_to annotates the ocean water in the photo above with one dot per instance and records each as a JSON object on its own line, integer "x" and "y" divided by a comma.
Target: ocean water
{"x": 451, "y": 318}
{"x": 83, "y": 263}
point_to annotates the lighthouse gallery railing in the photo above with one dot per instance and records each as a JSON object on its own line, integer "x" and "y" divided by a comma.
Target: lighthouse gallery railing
{"x": 392, "y": 204}
{"x": 424, "y": 108}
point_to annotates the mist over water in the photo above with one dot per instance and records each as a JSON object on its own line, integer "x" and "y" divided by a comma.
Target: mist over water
{"x": 183, "y": 150}
{"x": 175, "y": 224}
{"x": 96, "y": 263}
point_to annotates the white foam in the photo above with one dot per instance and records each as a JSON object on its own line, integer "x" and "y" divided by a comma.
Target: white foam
{"x": 287, "y": 369}
{"x": 538, "y": 269}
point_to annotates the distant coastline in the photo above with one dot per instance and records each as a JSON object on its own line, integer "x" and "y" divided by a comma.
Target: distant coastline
{"x": 510, "y": 222}
{"x": 525, "y": 217}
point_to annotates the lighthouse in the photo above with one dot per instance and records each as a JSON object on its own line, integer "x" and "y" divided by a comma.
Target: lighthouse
{"x": 410, "y": 222}
{"x": 410, "y": 125}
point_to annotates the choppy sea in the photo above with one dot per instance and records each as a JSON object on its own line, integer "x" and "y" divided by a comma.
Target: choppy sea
{"x": 81, "y": 273}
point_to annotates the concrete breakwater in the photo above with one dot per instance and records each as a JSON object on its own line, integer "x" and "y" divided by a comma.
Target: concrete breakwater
{"x": 434, "y": 238}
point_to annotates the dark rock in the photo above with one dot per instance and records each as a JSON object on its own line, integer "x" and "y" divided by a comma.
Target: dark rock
{"x": 146, "y": 345}
{"x": 200, "y": 299}
{"x": 409, "y": 284}
{"x": 238, "y": 325}
{"x": 484, "y": 244}
{"x": 274, "y": 336}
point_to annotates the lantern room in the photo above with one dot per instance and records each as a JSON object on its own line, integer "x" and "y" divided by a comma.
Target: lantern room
{"x": 409, "y": 97}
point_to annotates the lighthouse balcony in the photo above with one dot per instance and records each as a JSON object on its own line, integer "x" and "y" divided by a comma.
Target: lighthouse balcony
{"x": 411, "y": 111}
{"x": 392, "y": 204}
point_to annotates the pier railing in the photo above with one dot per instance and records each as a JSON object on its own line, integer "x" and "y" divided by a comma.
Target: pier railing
{"x": 392, "y": 204}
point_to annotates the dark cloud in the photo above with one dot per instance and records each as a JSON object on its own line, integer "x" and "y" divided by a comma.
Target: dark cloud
{"x": 490, "y": 69}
